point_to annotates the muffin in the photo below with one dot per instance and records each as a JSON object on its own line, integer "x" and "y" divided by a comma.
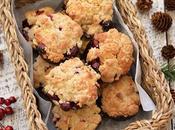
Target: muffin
{"x": 120, "y": 99}
{"x": 31, "y": 16}
{"x": 55, "y": 36}
{"x": 30, "y": 20}
{"x": 90, "y": 14}
{"x": 58, "y": 37}
{"x": 111, "y": 54}
{"x": 40, "y": 70}
{"x": 86, "y": 118}
{"x": 73, "y": 83}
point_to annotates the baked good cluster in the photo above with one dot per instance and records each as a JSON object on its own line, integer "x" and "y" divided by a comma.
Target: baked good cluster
{"x": 82, "y": 58}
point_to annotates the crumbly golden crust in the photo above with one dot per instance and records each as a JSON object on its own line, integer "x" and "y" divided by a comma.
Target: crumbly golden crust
{"x": 72, "y": 81}
{"x": 89, "y": 13}
{"x": 32, "y": 15}
{"x": 86, "y": 118}
{"x": 57, "y": 34}
{"x": 40, "y": 70}
{"x": 115, "y": 54}
{"x": 120, "y": 99}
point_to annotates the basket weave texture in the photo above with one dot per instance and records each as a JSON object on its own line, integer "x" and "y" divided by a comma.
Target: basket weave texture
{"x": 152, "y": 77}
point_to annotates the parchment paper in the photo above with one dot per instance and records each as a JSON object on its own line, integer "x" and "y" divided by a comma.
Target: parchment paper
{"x": 147, "y": 103}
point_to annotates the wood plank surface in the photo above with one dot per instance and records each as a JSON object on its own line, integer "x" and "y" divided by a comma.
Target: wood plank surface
{"x": 156, "y": 39}
{"x": 9, "y": 87}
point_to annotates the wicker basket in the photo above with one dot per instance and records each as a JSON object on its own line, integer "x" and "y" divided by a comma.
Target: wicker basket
{"x": 153, "y": 78}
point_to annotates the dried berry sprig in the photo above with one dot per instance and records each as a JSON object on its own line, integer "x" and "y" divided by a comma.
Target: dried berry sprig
{"x": 169, "y": 71}
{"x": 5, "y": 108}
{"x": 8, "y": 101}
{"x": 161, "y": 21}
{"x": 144, "y": 5}
{"x": 2, "y": 127}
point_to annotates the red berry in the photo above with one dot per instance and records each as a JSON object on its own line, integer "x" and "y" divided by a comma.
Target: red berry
{"x": 2, "y": 113}
{"x": 7, "y": 102}
{"x": 12, "y": 99}
{"x": 8, "y": 128}
{"x": 8, "y": 111}
{"x": 2, "y": 100}
{"x": 1, "y": 129}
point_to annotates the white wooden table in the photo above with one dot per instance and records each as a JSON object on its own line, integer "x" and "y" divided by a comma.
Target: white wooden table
{"x": 9, "y": 87}
{"x": 156, "y": 40}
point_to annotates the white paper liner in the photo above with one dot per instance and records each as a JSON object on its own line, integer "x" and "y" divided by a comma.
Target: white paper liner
{"x": 45, "y": 107}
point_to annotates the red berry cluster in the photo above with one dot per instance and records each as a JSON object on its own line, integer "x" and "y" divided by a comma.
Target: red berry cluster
{"x": 6, "y": 109}
{"x": 6, "y": 128}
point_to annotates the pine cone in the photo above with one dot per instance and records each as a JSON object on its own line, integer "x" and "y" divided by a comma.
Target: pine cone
{"x": 170, "y": 4}
{"x": 161, "y": 21}
{"x": 168, "y": 52}
{"x": 144, "y": 5}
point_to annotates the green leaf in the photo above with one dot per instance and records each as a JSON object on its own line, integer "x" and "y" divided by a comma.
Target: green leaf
{"x": 169, "y": 71}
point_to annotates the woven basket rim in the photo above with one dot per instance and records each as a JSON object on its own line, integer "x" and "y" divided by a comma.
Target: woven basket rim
{"x": 153, "y": 78}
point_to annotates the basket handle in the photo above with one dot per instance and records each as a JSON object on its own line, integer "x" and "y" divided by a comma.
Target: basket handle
{"x": 16, "y": 54}
{"x": 154, "y": 79}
